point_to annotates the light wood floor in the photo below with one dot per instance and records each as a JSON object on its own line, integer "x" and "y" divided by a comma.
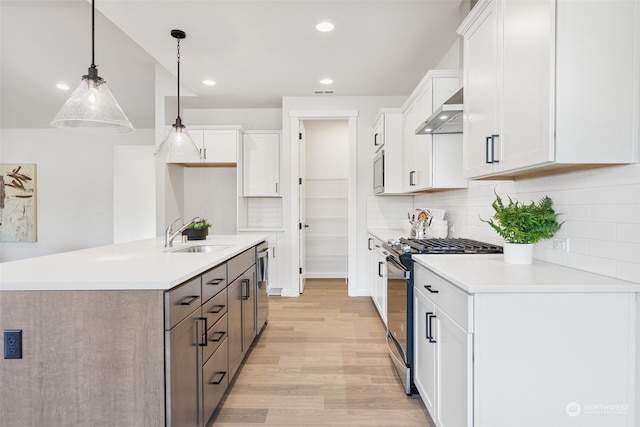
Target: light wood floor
{"x": 322, "y": 361}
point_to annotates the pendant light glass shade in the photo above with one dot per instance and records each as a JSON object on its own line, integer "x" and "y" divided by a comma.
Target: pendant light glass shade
{"x": 91, "y": 108}
{"x": 178, "y": 144}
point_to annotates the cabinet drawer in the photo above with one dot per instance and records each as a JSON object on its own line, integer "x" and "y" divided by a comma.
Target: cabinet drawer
{"x": 456, "y": 303}
{"x": 181, "y": 301}
{"x": 215, "y": 308}
{"x": 216, "y": 335}
{"x": 240, "y": 263}
{"x": 213, "y": 281}
{"x": 215, "y": 378}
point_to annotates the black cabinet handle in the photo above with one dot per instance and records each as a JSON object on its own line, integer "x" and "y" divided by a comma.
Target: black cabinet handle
{"x": 219, "y": 336}
{"x": 412, "y": 176}
{"x": 190, "y": 300}
{"x": 491, "y": 148}
{"x": 486, "y": 150}
{"x": 375, "y": 140}
{"x": 369, "y": 242}
{"x": 219, "y": 308}
{"x": 380, "y": 268}
{"x": 214, "y": 282}
{"x": 222, "y": 375}
{"x": 429, "y": 316}
{"x": 203, "y": 342}
{"x": 433, "y": 291}
{"x": 247, "y": 288}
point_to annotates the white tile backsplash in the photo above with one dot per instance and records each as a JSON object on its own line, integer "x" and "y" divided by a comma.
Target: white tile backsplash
{"x": 601, "y": 208}
{"x": 387, "y": 211}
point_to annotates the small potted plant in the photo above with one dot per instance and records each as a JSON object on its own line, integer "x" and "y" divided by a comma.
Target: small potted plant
{"x": 522, "y": 225}
{"x": 198, "y": 230}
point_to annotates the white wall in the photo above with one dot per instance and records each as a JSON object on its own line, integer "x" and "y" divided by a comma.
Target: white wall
{"x": 601, "y": 208}
{"x": 75, "y": 188}
{"x": 211, "y": 193}
{"x": 248, "y": 118}
{"x": 134, "y": 192}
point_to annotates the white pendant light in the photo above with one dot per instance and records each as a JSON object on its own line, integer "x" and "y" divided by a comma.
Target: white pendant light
{"x": 178, "y": 143}
{"x": 91, "y": 108}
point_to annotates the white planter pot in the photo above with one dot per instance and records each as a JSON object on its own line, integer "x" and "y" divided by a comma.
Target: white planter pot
{"x": 518, "y": 253}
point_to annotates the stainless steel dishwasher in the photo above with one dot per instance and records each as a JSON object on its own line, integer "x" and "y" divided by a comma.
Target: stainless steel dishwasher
{"x": 262, "y": 281}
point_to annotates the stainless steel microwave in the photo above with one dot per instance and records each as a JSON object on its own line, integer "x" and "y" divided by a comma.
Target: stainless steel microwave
{"x": 378, "y": 172}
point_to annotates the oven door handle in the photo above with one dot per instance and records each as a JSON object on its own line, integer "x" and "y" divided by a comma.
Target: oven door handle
{"x": 398, "y": 266}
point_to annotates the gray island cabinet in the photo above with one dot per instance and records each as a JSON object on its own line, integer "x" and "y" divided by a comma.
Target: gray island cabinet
{"x": 125, "y": 335}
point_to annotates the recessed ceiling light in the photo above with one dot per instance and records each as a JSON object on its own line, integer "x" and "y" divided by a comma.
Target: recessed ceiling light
{"x": 326, "y": 81}
{"x": 325, "y": 27}
{"x": 444, "y": 117}
{"x": 208, "y": 82}
{"x": 62, "y": 86}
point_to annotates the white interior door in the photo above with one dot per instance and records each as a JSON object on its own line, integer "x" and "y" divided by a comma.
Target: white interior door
{"x": 301, "y": 209}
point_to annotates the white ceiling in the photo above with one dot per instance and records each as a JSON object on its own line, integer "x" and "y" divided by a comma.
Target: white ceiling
{"x": 257, "y": 51}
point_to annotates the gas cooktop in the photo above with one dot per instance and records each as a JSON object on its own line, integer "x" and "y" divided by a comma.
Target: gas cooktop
{"x": 442, "y": 246}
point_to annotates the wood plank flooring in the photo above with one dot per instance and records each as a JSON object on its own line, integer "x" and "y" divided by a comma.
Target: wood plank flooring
{"x": 322, "y": 360}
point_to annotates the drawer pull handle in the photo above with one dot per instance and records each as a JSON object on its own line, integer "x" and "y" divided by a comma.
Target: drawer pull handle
{"x": 219, "y": 309}
{"x": 215, "y": 282}
{"x": 433, "y": 291}
{"x": 190, "y": 300}
{"x": 219, "y": 336}
{"x": 430, "y": 316}
{"x": 222, "y": 375}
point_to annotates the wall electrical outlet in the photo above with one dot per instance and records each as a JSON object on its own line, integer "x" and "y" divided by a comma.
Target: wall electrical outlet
{"x": 13, "y": 343}
{"x": 561, "y": 243}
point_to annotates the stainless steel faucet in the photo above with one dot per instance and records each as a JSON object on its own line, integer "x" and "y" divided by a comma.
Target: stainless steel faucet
{"x": 169, "y": 235}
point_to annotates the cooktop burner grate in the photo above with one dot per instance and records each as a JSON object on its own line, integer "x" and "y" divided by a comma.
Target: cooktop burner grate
{"x": 450, "y": 246}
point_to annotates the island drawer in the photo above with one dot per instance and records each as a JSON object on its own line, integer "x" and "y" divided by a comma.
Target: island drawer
{"x": 216, "y": 335}
{"x": 240, "y": 263}
{"x": 181, "y": 301}
{"x": 215, "y": 308}
{"x": 213, "y": 281}
{"x": 452, "y": 300}
{"x": 215, "y": 376}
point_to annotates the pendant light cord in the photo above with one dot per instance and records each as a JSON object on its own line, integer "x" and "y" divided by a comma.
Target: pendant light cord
{"x": 178, "y": 78}
{"x": 93, "y": 34}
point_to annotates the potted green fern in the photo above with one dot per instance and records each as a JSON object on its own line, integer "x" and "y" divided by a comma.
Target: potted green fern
{"x": 522, "y": 225}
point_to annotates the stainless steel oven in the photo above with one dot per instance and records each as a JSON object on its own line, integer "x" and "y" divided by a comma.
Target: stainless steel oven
{"x": 399, "y": 326}
{"x": 399, "y": 265}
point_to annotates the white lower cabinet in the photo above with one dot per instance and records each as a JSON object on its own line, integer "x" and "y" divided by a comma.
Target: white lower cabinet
{"x": 377, "y": 276}
{"x": 526, "y": 359}
{"x": 442, "y": 371}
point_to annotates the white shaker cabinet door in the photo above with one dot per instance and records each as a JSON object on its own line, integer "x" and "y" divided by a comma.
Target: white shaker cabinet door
{"x": 261, "y": 165}
{"x": 220, "y": 146}
{"x": 425, "y": 351}
{"x": 454, "y": 373}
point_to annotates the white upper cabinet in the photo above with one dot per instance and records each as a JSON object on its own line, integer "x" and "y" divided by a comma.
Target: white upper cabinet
{"x": 218, "y": 145}
{"x": 388, "y": 134}
{"x": 431, "y": 161}
{"x": 261, "y": 164}
{"x": 549, "y": 86}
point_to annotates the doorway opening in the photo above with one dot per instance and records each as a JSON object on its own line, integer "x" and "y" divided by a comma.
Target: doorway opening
{"x": 324, "y": 199}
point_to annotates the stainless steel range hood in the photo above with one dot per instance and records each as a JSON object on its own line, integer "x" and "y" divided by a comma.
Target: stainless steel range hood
{"x": 446, "y": 119}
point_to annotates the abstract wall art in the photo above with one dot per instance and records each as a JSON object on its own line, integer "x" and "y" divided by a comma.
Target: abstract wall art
{"x": 18, "y": 216}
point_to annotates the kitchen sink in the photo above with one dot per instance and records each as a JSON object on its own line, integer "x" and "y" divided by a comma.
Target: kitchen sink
{"x": 202, "y": 249}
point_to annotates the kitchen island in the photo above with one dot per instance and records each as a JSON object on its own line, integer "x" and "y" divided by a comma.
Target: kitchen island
{"x": 499, "y": 345}
{"x": 94, "y": 330}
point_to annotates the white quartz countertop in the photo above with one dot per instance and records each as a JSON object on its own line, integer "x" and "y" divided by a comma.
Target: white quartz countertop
{"x": 385, "y": 234}
{"x": 139, "y": 265}
{"x": 490, "y": 274}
